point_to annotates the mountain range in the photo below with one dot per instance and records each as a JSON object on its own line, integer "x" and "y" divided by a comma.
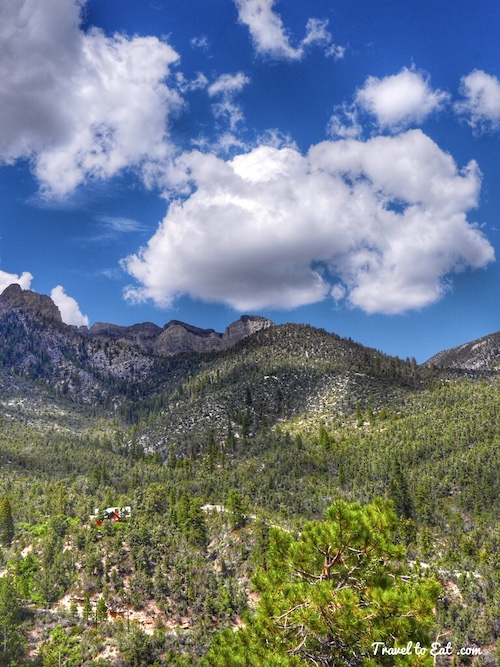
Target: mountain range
{"x": 178, "y": 337}
{"x": 191, "y": 381}
{"x": 175, "y": 337}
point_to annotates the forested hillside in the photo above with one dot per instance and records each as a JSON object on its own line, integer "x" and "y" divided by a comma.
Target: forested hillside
{"x": 309, "y": 494}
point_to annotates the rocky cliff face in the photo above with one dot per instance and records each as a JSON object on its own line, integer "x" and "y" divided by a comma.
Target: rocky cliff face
{"x": 245, "y": 326}
{"x": 15, "y": 298}
{"x": 143, "y": 335}
{"x": 177, "y": 337}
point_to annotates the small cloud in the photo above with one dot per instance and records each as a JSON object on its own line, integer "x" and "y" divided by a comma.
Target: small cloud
{"x": 112, "y": 227}
{"x": 400, "y": 100}
{"x": 226, "y": 87}
{"x": 316, "y": 32}
{"x": 344, "y": 124}
{"x": 70, "y": 310}
{"x": 272, "y": 39}
{"x": 335, "y": 51}
{"x": 267, "y": 29}
{"x": 232, "y": 112}
{"x": 338, "y": 292}
{"x": 114, "y": 273}
{"x": 119, "y": 225}
{"x": 200, "y": 42}
{"x": 277, "y": 139}
{"x": 7, "y": 279}
{"x": 184, "y": 86}
{"x": 482, "y": 101}
{"x": 228, "y": 84}
{"x": 227, "y": 142}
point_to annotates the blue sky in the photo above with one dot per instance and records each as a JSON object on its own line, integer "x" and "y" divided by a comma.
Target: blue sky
{"x": 325, "y": 162}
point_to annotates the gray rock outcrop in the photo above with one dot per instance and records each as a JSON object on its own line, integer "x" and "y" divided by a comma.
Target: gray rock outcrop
{"x": 245, "y": 326}
{"x": 144, "y": 335}
{"x": 16, "y": 298}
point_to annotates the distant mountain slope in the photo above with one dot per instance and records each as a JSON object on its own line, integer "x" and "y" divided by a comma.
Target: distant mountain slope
{"x": 281, "y": 373}
{"x": 482, "y": 354}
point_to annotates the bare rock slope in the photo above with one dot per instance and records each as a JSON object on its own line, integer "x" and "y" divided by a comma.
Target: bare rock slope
{"x": 482, "y": 354}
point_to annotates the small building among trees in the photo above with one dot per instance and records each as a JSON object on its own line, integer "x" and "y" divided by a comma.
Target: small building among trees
{"x": 115, "y": 514}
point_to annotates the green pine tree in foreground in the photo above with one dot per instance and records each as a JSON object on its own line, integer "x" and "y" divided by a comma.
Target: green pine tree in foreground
{"x": 328, "y": 595}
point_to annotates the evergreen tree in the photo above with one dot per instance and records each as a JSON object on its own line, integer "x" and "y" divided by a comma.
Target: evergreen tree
{"x": 137, "y": 648}
{"x": 6, "y": 522}
{"x": 87, "y": 609}
{"x": 399, "y": 491}
{"x": 230, "y": 439}
{"x": 327, "y": 596}
{"x": 11, "y": 639}
{"x": 191, "y": 520}
{"x": 324, "y": 438}
{"x": 235, "y": 507}
{"x": 101, "y": 612}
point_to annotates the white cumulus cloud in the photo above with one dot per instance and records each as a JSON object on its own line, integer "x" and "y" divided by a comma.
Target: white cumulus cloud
{"x": 69, "y": 308}
{"x": 400, "y": 100}
{"x": 382, "y": 222}
{"x": 80, "y": 105}
{"x": 7, "y": 279}
{"x": 271, "y": 38}
{"x": 482, "y": 100}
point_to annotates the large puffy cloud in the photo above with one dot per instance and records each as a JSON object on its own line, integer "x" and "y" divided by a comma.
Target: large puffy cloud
{"x": 271, "y": 38}
{"x": 7, "y": 279}
{"x": 70, "y": 310}
{"x": 400, "y": 100}
{"x": 79, "y": 105}
{"x": 482, "y": 100}
{"x": 381, "y": 222}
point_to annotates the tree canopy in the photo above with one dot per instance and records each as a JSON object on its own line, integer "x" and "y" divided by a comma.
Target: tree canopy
{"x": 327, "y": 595}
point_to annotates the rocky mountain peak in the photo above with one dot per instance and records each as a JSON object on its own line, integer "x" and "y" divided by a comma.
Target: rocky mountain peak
{"x": 245, "y": 326}
{"x": 180, "y": 337}
{"x": 177, "y": 337}
{"x": 204, "y": 333}
{"x": 16, "y": 298}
